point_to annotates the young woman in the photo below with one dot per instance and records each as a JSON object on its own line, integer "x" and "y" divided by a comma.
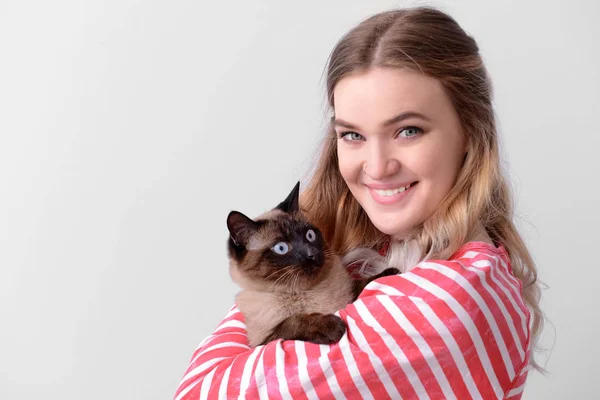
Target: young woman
{"x": 410, "y": 167}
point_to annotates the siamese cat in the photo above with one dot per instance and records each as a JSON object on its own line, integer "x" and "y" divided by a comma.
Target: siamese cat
{"x": 291, "y": 282}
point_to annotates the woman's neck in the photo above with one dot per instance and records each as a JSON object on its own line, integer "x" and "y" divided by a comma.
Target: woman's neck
{"x": 479, "y": 234}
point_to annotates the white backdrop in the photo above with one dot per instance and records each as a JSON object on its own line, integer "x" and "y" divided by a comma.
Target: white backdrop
{"x": 129, "y": 129}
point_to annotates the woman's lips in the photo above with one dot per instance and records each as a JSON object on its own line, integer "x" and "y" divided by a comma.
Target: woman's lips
{"x": 386, "y": 199}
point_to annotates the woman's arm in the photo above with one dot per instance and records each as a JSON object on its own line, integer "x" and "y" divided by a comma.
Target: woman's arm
{"x": 446, "y": 329}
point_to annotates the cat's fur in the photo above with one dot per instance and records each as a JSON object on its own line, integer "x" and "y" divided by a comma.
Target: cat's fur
{"x": 290, "y": 295}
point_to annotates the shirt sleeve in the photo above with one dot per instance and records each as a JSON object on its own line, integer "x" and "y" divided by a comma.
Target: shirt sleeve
{"x": 446, "y": 329}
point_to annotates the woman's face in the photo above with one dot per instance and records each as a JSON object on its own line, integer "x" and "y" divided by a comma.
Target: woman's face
{"x": 400, "y": 145}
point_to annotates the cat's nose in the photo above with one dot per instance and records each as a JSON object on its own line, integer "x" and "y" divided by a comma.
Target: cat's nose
{"x": 314, "y": 256}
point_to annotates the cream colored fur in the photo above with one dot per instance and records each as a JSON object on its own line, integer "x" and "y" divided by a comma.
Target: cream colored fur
{"x": 265, "y": 305}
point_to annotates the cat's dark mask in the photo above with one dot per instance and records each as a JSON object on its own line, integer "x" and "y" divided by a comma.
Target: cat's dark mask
{"x": 284, "y": 238}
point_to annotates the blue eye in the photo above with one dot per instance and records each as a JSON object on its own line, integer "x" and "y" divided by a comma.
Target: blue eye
{"x": 414, "y": 131}
{"x": 281, "y": 248}
{"x": 350, "y": 136}
{"x": 311, "y": 235}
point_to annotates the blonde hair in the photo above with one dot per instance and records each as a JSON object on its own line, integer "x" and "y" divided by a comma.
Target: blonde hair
{"x": 427, "y": 40}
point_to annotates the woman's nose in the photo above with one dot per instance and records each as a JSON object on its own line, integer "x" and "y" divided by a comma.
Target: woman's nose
{"x": 380, "y": 162}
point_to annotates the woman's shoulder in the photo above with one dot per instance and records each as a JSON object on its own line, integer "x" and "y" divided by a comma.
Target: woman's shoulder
{"x": 480, "y": 244}
{"x": 477, "y": 271}
{"x": 477, "y": 262}
{"x": 478, "y": 249}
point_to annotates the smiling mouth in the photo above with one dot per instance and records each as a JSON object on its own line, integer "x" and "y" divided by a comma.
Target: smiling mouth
{"x": 391, "y": 192}
{"x": 388, "y": 197}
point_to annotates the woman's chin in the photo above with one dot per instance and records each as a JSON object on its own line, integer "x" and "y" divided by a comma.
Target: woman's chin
{"x": 395, "y": 230}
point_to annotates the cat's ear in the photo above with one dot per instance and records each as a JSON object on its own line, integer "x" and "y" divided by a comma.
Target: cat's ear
{"x": 290, "y": 204}
{"x": 241, "y": 228}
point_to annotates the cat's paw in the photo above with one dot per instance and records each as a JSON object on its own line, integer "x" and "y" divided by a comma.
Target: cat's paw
{"x": 324, "y": 328}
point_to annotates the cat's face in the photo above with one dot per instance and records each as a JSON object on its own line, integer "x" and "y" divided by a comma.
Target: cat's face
{"x": 280, "y": 248}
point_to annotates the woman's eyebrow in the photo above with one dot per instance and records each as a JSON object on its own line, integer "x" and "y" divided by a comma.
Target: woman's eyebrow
{"x": 385, "y": 124}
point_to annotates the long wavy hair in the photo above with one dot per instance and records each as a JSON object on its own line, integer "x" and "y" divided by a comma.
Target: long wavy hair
{"x": 427, "y": 40}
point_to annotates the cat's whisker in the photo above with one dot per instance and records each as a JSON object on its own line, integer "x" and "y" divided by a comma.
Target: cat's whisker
{"x": 272, "y": 273}
{"x": 287, "y": 271}
{"x": 274, "y": 283}
{"x": 283, "y": 273}
{"x": 292, "y": 280}
{"x": 296, "y": 280}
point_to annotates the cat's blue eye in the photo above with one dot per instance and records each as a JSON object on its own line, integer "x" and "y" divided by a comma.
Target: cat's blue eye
{"x": 281, "y": 248}
{"x": 311, "y": 235}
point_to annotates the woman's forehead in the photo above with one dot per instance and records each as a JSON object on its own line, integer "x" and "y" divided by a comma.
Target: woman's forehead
{"x": 380, "y": 94}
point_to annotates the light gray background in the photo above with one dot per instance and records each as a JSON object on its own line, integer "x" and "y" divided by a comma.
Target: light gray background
{"x": 129, "y": 129}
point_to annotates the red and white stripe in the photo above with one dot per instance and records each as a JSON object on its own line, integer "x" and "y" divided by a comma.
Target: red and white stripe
{"x": 454, "y": 329}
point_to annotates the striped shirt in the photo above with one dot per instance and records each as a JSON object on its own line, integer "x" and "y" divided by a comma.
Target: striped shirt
{"x": 453, "y": 329}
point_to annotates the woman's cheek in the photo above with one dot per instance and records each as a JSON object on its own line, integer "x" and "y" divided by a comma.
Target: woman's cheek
{"x": 345, "y": 166}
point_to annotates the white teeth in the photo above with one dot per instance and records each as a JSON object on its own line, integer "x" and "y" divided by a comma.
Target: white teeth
{"x": 391, "y": 192}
